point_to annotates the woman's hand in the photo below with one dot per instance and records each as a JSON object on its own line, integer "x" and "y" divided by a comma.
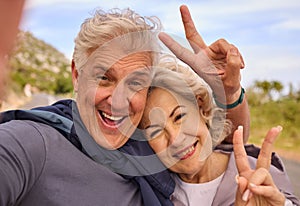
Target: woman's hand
{"x": 256, "y": 187}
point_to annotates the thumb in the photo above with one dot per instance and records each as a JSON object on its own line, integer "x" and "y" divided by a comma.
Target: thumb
{"x": 241, "y": 188}
{"x": 234, "y": 52}
{"x": 234, "y": 60}
{"x": 242, "y": 183}
{"x": 232, "y": 76}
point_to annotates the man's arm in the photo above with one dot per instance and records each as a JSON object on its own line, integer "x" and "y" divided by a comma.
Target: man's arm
{"x": 22, "y": 157}
{"x": 219, "y": 64}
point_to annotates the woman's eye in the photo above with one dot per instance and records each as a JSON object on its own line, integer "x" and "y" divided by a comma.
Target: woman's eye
{"x": 153, "y": 134}
{"x": 178, "y": 117}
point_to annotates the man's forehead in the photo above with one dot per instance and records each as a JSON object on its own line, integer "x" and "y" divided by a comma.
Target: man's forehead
{"x": 139, "y": 63}
{"x": 111, "y": 57}
{"x": 136, "y": 72}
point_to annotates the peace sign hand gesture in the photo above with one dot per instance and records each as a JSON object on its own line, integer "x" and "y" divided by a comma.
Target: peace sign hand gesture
{"x": 256, "y": 187}
{"x": 218, "y": 64}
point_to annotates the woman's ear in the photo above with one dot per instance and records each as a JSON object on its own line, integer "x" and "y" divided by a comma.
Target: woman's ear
{"x": 203, "y": 105}
{"x": 200, "y": 101}
{"x": 74, "y": 76}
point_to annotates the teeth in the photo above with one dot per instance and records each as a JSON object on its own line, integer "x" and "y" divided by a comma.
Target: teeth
{"x": 187, "y": 151}
{"x": 111, "y": 117}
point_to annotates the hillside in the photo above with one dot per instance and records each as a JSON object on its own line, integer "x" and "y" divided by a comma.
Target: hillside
{"x": 38, "y": 66}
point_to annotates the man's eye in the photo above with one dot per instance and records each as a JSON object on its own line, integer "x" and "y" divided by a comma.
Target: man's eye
{"x": 101, "y": 77}
{"x": 178, "y": 117}
{"x": 135, "y": 83}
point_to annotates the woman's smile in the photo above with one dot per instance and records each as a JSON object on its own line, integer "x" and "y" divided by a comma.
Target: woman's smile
{"x": 186, "y": 152}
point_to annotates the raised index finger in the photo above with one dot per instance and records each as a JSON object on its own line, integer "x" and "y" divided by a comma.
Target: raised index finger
{"x": 240, "y": 154}
{"x": 191, "y": 33}
{"x": 180, "y": 52}
{"x": 264, "y": 158}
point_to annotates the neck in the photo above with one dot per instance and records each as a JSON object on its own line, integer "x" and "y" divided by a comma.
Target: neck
{"x": 213, "y": 167}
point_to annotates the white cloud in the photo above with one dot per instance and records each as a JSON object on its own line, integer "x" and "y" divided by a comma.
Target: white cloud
{"x": 290, "y": 24}
{"x": 271, "y": 64}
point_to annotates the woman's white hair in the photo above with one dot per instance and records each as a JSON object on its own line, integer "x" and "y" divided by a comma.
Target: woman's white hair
{"x": 105, "y": 26}
{"x": 180, "y": 79}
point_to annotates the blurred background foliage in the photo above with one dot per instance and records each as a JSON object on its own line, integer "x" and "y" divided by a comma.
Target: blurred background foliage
{"x": 269, "y": 107}
{"x": 36, "y": 63}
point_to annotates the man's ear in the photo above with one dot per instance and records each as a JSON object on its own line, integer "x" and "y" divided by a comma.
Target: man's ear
{"x": 74, "y": 76}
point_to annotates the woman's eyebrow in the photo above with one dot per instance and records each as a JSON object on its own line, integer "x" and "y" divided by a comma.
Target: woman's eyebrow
{"x": 172, "y": 113}
{"x": 174, "y": 110}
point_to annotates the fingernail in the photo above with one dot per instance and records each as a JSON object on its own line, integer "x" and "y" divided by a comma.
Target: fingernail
{"x": 250, "y": 195}
{"x": 279, "y": 128}
{"x": 242, "y": 65}
{"x": 252, "y": 185}
{"x": 246, "y": 195}
{"x": 240, "y": 127}
{"x": 237, "y": 179}
{"x": 234, "y": 52}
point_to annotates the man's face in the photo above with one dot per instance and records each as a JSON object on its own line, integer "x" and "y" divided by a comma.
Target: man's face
{"x": 111, "y": 96}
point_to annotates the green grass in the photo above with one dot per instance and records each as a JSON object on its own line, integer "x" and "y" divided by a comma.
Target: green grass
{"x": 286, "y": 113}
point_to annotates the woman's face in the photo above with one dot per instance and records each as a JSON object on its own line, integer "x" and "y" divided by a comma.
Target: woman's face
{"x": 176, "y": 132}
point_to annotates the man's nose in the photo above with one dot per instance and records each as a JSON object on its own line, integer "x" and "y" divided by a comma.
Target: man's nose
{"x": 120, "y": 99}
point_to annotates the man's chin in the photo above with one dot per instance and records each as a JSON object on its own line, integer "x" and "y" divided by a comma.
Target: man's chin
{"x": 113, "y": 138}
{"x": 110, "y": 144}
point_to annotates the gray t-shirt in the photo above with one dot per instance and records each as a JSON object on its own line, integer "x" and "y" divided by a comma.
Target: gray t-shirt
{"x": 38, "y": 166}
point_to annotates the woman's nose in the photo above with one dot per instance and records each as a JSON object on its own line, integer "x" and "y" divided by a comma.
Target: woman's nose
{"x": 174, "y": 136}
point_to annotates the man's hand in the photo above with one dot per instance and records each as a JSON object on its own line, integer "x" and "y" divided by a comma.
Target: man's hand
{"x": 218, "y": 64}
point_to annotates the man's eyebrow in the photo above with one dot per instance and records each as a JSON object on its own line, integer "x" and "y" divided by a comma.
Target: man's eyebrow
{"x": 142, "y": 72}
{"x": 100, "y": 67}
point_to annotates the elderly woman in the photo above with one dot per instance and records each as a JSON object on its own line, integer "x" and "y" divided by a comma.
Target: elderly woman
{"x": 183, "y": 126}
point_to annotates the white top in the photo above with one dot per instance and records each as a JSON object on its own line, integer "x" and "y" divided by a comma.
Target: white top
{"x": 193, "y": 194}
{"x": 190, "y": 194}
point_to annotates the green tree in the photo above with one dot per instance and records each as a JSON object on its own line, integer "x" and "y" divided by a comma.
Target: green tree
{"x": 277, "y": 86}
{"x": 266, "y": 87}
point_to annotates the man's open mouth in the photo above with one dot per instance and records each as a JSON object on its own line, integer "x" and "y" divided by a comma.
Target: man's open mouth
{"x": 110, "y": 120}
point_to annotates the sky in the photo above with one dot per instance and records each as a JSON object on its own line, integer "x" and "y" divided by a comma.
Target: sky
{"x": 266, "y": 32}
